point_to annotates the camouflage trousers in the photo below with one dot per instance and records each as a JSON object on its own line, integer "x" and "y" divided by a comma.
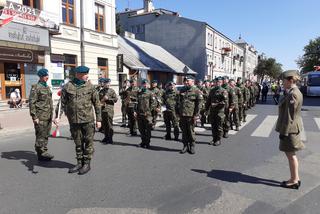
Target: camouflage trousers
{"x": 226, "y": 122}
{"x": 244, "y": 112}
{"x": 107, "y": 124}
{"x": 217, "y": 118}
{"x": 82, "y": 134}
{"x": 187, "y": 125}
{"x": 240, "y": 112}
{"x": 234, "y": 117}
{"x": 124, "y": 112}
{"x": 203, "y": 117}
{"x": 144, "y": 125}
{"x": 171, "y": 120}
{"x": 154, "y": 114}
{"x": 42, "y": 131}
{"x": 132, "y": 120}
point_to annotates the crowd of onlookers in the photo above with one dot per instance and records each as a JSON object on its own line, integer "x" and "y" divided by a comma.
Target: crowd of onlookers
{"x": 275, "y": 88}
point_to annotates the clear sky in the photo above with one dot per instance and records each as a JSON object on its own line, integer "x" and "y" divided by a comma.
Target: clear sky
{"x": 278, "y": 28}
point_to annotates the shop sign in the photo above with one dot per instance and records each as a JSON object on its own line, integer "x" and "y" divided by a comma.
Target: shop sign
{"x": 120, "y": 63}
{"x": 30, "y": 16}
{"x": 19, "y": 33}
{"x": 20, "y": 55}
{"x": 56, "y": 83}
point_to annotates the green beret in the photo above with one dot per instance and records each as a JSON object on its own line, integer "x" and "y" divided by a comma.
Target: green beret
{"x": 144, "y": 81}
{"x": 225, "y": 78}
{"x": 289, "y": 73}
{"x": 189, "y": 77}
{"x": 43, "y": 72}
{"x": 82, "y": 69}
{"x": 100, "y": 80}
{"x": 219, "y": 78}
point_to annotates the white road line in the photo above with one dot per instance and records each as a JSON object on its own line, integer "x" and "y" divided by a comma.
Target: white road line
{"x": 303, "y": 132}
{"x": 317, "y": 122}
{"x": 249, "y": 118}
{"x": 266, "y": 127}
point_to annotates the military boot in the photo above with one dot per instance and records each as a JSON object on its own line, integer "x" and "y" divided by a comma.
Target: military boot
{"x": 111, "y": 140}
{"x": 225, "y": 134}
{"x": 105, "y": 140}
{"x": 217, "y": 143}
{"x": 45, "y": 156}
{"x": 76, "y": 167}
{"x": 167, "y": 137}
{"x": 211, "y": 143}
{"x": 85, "y": 168}
{"x": 237, "y": 128}
{"x": 192, "y": 150}
{"x": 184, "y": 149}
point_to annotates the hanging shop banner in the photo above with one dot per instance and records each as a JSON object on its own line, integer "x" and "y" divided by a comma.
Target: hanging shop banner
{"x": 30, "y": 16}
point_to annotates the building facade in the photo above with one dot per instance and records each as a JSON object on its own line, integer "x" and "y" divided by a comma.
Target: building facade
{"x": 72, "y": 33}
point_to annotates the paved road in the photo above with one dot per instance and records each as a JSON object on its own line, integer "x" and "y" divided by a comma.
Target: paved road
{"x": 241, "y": 176}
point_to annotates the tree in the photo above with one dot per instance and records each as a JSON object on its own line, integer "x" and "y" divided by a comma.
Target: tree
{"x": 119, "y": 29}
{"x": 311, "y": 56}
{"x": 268, "y": 67}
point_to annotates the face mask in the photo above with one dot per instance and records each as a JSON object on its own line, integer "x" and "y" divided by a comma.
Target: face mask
{"x": 79, "y": 82}
{"x": 44, "y": 84}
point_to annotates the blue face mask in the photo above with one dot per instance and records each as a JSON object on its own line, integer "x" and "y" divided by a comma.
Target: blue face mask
{"x": 78, "y": 82}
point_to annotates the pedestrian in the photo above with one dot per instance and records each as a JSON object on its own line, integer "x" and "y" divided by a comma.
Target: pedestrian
{"x": 276, "y": 95}
{"x": 157, "y": 102}
{"x": 189, "y": 107}
{"x": 265, "y": 90}
{"x": 41, "y": 109}
{"x": 170, "y": 116}
{"x": 78, "y": 99}
{"x": 15, "y": 99}
{"x": 132, "y": 100}
{"x": 124, "y": 103}
{"x": 289, "y": 126}
{"x": 108, "y": 98}
{"x": 143, "y": 113}
{"x": 216, "y": 104}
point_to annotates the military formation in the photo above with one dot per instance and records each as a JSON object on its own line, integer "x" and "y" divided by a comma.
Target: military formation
{"x": 222, "y": 103}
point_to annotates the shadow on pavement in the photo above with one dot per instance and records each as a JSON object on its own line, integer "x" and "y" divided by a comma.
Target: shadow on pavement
{"x": 30, "y": 159}
{"x": 236, "y": 177}
{"x": 153, "y": 148}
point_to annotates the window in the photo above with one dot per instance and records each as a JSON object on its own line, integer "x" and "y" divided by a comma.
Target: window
{"x": 68, "y": 12}
{"x": 103, "y": 67}
{"x": 99, "y": 17}
{"x": 32, "y": 3}
{"x": 70, "y": 63}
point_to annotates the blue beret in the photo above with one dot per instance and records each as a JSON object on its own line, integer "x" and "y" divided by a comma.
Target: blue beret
{"x": 100, "y": 80}
{"x": 82, "y": 69}
{"x": 154, "y": 81}
{"x": 43, "y": 72}
{"x": 107, "y": 80}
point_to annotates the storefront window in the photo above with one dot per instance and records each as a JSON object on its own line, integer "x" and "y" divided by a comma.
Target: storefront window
{"x": 69, "y": 65}
{"x": 103, "y": 67}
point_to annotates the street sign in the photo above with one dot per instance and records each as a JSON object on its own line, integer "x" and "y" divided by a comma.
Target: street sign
{"x": 56, "y": 82}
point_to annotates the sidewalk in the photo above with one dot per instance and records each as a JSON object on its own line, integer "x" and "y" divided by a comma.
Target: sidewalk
{"x": 15, "y": 121}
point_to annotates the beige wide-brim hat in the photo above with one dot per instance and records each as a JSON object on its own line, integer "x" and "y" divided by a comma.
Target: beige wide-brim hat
{"x": 290, "y": 73}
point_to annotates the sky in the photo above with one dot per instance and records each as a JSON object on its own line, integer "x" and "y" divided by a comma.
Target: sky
{"x": 277, "y": 28}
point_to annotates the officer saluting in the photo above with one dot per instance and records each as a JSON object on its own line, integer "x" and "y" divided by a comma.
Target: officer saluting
{"x": 108, "y": 98}
{"x": 77, "y": 99}
{"x": 41, "y": 109}
{"x": 189, "y": 106}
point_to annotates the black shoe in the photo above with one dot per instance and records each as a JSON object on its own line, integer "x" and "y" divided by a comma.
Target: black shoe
{"x": 231, "y": 127}
{"x": 84, "y": 169}
{"x": 211, "y": 143}
{"x": 111, "y": 140}
{"x": 147, "y": 146}
{"x": 237, "y": 128}
{"x": 133, "y": 134}
{"x": 244, "y": 120}
{"x": 191, "y": 150}
{"x": 105, "y": 140}
{"x": 296, "y": 186}
{"x": 167, "y": 137}
{"x": 152, "y": 127}
{"x": 176, "y": 138}
{"x": 45, "y": 157}
{"x": 184, "y": 150}
{"x": 225, "y": 135}
{"x": 75, "y": 168}
{"x": 142, "y": 145}
{"x": 123, "y": 126}
{"x": 217, "y": 143}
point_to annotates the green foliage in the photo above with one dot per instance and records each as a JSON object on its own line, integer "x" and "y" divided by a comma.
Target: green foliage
{"x": 268, "y": 67}
{"x": 311, "y": 56}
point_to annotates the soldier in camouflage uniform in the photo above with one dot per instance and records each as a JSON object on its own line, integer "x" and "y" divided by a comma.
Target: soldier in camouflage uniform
{"x": 189, "y": 107}
{"x": 78, "y": 98}
{"x": 124, "y": 104}
{"x": 143, "y": 113}
{"x": 246, "y": 100}
{"x": 252, "y": 95}
{"x": 216, "y": 104}
{"x": 41, "y": 108}
{"x": 171, "y": 101}
{"x": 108, "y": 98}
{"x": 131, "y": 95}
{"x": 157, "y": 104}
{"x": 238, "y": 99}
{"x": 228, "y": 107}
{"x": 205, "y": 92}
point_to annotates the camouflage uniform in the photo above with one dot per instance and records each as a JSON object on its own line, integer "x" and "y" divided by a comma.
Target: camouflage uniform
{"x": 241, "y": 101}
{"x": 41, "y": 108}
{"x": 189, "y": 107}
{"x": 203, "y": 112}
{"x": 238, "y": 101}
{"x": 246, "y": 102}
{"x": 171, "y": 101}
{"x": 108, "y": 98}
{"x": 77, "y": 101}
{"x": 229, "y": 105}
{"x": 252, "y": 96}
{"x": 124, "y": 105}
{"x": 216, "y": 104}
{"x": 156, "y": 104}
{"x": 144, "y": 116}
{"x": 131, "y": 100}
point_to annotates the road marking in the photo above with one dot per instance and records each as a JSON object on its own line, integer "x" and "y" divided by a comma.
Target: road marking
{"x": 317, "y": 122}
{"x": 249, "y": 118}
{"x": 303, "y": 132}
{"x": 266, "y": 127}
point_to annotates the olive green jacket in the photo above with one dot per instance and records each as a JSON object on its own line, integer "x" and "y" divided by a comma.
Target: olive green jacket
{"x": 145, "y": 102}
{"x": 190, "y": 101}
{"x": 78, "y": 102}
{"x": 107, "y": 105}
{"x": 289, "y": 120}
{"x": 40, "y": 102}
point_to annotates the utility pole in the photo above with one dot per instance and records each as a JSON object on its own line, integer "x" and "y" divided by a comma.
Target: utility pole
{"x": 82, "y": 52}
